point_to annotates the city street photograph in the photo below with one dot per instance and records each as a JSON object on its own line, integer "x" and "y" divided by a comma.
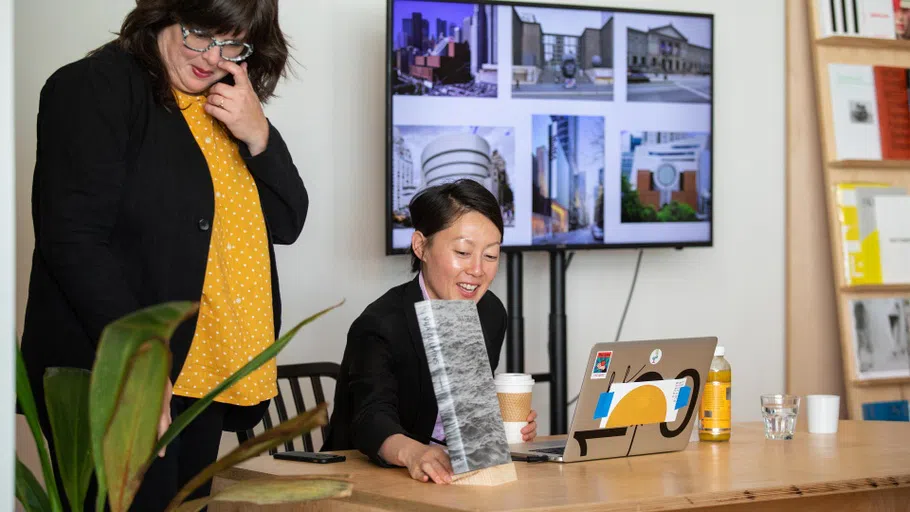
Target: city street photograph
{"x": 669, "y": 58}
{"x": 567, "y": 175}
{"x": 562, "y": 54}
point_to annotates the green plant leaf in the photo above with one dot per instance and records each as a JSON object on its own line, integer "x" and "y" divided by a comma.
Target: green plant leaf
{"x": 271, "y": 438}
{"x": 277, "y": 490}
{"x": 66, "y": 396}
{"x": 29, "y": 491}
{"x": 118, "y": 343}
{"x": 194, "y": 410}
{"x": 133, "y": 430}
{"x": 27, "y": 403}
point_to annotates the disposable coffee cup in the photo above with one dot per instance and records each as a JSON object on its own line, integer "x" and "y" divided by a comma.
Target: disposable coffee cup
{"x": 823, "y": 411}
{"x": 514, "y": 393}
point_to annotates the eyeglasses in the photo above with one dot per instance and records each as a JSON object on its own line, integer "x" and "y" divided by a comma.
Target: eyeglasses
{"x": 200, "y": 41}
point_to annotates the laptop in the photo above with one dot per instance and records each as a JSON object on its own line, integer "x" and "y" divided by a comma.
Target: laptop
{"x": 637, "y": 397}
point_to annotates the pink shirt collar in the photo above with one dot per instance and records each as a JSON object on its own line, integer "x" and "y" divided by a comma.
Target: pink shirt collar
{"x": 423, "y": 286}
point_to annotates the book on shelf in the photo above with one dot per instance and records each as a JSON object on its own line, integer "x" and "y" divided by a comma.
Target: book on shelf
{"x": 898, "y": 410}
{"x": 877, "y": 19}
{"x": 892, "y": 237}
{"x": 881, "y": 329}
{"x": 855, "y": 203}
{"x": 859, "y": 18}
{"x": 901, "y": 19}
{"x": 870, "y": 108}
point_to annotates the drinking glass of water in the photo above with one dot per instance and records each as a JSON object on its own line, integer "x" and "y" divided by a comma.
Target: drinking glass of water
{"x": 779, "y": 413}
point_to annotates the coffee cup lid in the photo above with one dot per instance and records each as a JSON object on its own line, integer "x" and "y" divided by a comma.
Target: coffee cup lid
{"x": 514, "y": 378}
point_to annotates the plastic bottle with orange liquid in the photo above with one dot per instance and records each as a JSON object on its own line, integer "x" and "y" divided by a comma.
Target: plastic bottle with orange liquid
{"x": 714, "y": 413}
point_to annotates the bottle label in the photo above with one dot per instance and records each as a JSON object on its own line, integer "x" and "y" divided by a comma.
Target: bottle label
{"x": 715, "y": 405}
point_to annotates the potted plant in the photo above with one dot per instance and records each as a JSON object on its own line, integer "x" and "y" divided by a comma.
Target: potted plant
{"x": 105, "y": 422}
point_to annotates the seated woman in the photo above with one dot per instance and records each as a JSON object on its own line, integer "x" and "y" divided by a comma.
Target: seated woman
{"x": 384, "y": 400}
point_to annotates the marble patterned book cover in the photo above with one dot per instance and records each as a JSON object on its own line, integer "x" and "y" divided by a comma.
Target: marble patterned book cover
{"x": 463, "y": 383}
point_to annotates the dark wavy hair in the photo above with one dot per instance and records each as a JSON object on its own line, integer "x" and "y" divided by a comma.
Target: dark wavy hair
{"x": 258, "y": 19}
{"x": 436, "y": 208}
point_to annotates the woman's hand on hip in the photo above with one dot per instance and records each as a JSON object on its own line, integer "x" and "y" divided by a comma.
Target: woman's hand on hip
{"x": 238, "y": 107}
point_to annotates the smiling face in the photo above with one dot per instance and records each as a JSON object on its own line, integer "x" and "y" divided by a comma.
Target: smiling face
{"x": 190, "y": 71}
{"x": 459, "y": 262}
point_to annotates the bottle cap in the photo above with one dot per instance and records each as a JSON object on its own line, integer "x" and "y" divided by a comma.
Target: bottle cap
{"x": 719, "y": 351}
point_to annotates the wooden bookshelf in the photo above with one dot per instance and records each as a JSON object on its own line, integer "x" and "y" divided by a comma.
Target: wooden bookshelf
{"x": 897, "y": 381}
{"x": 864, "y": 42}
{"x": 871, "y": 164}
{"x": 873, "y": 52}
{"x": 893, "y": 289}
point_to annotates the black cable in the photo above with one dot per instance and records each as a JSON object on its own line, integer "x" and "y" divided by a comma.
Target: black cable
{"x": 625, "y": 310}
{"x": 622, "y": 319}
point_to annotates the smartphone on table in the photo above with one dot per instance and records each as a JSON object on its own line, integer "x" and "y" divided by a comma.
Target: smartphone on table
{"x": 317, "y": 457}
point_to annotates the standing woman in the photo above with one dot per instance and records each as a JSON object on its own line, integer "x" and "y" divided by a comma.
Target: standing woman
{"x": 159, "y": 178}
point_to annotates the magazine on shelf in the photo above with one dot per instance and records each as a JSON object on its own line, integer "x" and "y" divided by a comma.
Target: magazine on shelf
{"x": 856, "y": 215}
{"x": 901, "y": 19}
{"x": 892, "y": 235}
{"x": 860, "y": 18}
{"x": 880, "y": 337}
{"x": 870, "y": 108}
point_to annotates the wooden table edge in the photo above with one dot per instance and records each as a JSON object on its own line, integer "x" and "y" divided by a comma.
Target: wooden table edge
{"x": 687, "y": 501}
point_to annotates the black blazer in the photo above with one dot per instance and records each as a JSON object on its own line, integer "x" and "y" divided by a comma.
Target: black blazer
{"x": 385, "y": 387}
{"x": 122, "y": 205}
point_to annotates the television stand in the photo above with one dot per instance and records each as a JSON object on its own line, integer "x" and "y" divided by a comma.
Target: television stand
{"x": 556, "y": 345}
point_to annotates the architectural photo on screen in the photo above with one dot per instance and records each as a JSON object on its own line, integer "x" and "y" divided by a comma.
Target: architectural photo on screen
{"x": 424, "y": 156}
{"x": 669, "y": 58}
{"x": 567, "y": 175}
{"x": 666, "y": 177}
{"x": 443, "y": 49}
{"x": 562, "y": 54}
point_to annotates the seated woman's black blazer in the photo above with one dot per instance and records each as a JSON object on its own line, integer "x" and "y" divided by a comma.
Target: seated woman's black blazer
{"x": 384, "y": 387}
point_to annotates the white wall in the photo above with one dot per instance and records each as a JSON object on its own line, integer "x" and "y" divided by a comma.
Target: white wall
{"x": 332, "y": 115}
{"x": 7, "y": 255}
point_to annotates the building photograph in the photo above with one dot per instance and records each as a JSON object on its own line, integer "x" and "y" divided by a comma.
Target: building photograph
{"x": 669, "y": 58}
{"x": 567, "y": 168}
{"x": 562, "y": 54}
{"x": 425, "y": 156}
{"x": 444, "y": 49}
{"x": 666, "y": 177}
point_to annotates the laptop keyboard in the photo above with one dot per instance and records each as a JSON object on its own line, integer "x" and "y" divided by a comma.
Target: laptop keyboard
{"x": 555, "y": 451}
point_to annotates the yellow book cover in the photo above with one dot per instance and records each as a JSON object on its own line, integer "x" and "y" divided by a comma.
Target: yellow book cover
{"x": 859, "y": 238}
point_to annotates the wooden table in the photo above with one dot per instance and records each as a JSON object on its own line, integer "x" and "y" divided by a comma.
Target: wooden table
{"x": 866, "y": 466}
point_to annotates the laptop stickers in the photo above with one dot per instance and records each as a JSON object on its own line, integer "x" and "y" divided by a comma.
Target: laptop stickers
{"x": 642, "y": 403}
{"x": 601, "y": 365}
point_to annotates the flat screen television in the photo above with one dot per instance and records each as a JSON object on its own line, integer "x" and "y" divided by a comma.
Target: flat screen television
{"x": 591, "y": 126}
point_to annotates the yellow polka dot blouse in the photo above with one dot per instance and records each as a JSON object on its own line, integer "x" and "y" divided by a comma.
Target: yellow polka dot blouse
{"x": 235, "y": 321}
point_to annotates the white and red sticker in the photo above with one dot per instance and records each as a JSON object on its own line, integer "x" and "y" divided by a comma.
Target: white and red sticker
{"x": 601, "y": 364}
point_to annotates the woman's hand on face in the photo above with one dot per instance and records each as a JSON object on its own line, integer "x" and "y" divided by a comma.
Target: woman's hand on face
{"x": 427, "y": 463}
{"x": 238, "y": 107}
{"x": 529, "y": 431}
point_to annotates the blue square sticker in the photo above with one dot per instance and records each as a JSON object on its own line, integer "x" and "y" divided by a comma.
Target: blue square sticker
{"x": 603, "y": 405}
